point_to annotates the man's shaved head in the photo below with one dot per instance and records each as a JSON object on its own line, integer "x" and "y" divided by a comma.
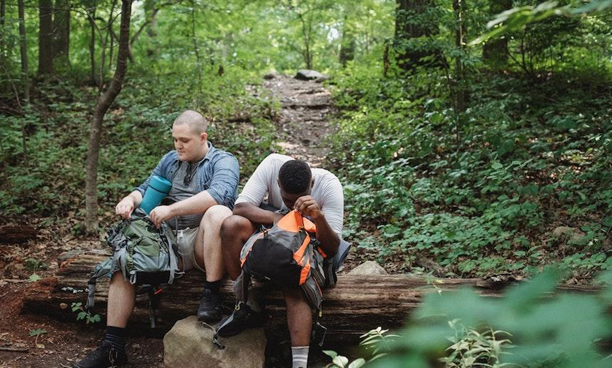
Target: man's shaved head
{"x": 195, "y": 120}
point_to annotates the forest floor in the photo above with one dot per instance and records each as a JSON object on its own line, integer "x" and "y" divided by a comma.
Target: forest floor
{"x": 41, "y": 341}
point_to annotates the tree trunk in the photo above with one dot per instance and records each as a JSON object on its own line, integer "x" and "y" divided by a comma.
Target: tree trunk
{"x": 61, "y": 26}
{"x": 357, "y": 304}
{"x": 306, "y": 36}
{"x": 459, "y": 67}
{"x": 412, "y": 21}
{"x": 103, "y": 104}
{"x": 45, "y": 37}
{"x": 495, "y": 51}
{"x": 150, "y": 23}
{"x": 92, "y": 46}
{"x": 347, "y": 44}
{"x": 151, "y": 10}
{"x": 2, "y": 23}
{"x": 109, "y": 35}
{"x": 23, "y": 48}
{"x": 196, "y": 50}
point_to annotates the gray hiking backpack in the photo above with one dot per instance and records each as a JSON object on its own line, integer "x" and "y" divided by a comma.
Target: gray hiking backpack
{"x": 142, "y": 252}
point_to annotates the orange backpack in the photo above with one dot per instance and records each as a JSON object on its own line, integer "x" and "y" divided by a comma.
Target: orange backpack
{"x": 288, "y": 255}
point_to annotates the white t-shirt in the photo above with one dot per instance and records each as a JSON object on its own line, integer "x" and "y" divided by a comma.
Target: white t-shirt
{"x": 326, "y": 191}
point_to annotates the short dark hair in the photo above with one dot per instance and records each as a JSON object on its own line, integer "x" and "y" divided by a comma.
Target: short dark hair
{"x": 295, "y": 176}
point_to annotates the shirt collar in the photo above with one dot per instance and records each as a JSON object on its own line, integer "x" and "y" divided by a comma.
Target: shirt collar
{"x": 209, "y": 154}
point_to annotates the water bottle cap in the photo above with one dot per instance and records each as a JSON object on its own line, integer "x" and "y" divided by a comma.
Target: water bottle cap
{"x": 160, "y": 184}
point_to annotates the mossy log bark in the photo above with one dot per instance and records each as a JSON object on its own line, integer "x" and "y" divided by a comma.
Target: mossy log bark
{"x": 354, "y": 306}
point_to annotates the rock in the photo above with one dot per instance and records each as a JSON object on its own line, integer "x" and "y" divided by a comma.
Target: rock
{"x": 271, "y": 75}
{"x": 571, "y": 233}
{"x": 368, "y": 268}
{"x": 189, "y": 344}
{"x": 306, "y": 74}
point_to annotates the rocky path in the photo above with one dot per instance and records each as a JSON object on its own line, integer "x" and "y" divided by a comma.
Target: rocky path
{"x": 306, "y": 109}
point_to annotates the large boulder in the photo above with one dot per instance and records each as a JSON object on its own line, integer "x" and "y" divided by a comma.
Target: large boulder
{"x": 306, "y": 74}
{"x": 189, "y": 344}
{"x": 368, "y": 268}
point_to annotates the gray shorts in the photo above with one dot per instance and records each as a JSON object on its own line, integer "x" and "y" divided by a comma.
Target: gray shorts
{"x": 185, "y": 241}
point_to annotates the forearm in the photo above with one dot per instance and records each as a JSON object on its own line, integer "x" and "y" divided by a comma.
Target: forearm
{"x": 197, "y": 204}
{"x": 136, "y": 198}
{"x": 328, "y": 238}
{"x": 255, "y": 214}
{"x": 126, "y": 206}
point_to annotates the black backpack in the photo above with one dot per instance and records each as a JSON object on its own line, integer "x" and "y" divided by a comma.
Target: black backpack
{"x": 288, "y": 254}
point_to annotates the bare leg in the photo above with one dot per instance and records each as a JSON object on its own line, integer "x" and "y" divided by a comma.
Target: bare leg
{"x": 121, "y": 299}
{"x": 235, "y": 231}
{"x": 299, "y": 316}
{"x": 207, "y": 250}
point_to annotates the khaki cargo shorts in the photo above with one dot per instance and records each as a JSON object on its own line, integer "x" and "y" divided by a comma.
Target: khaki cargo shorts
{"x": 185, "y": 241}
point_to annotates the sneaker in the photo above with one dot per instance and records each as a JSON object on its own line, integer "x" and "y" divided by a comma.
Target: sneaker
{"x": 210, "y": 307}
{"x": 104, "y": 356}
{"x": 242, "y": 318}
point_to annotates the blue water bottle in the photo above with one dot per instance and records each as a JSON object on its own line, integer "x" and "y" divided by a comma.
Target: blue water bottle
{"x": 158, "y": 189}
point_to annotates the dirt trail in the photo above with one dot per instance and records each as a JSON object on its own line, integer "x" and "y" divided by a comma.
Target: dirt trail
{"x": 305, "y": 113}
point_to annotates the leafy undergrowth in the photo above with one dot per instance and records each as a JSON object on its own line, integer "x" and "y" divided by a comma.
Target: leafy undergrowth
{"x": 531, "y": 325}
{"x": 520, "y": 180}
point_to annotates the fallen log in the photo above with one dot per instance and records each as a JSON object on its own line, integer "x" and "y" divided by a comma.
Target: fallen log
{"x": 357, "y": 304}
{"x": 10, "y": 234}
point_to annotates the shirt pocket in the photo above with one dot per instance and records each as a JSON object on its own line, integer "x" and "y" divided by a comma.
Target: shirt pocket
{"x": 204, "y": 181}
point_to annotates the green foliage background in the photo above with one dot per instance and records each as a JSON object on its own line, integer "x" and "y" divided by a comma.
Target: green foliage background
{"x": 518, "y": 178}
{"x": 478, "y": 191}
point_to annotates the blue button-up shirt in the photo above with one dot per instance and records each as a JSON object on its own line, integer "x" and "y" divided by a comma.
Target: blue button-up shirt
{"x": 218, "y": 173}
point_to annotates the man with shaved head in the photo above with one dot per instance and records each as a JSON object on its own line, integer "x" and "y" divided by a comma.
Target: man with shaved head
{"x": 204, "y": 187}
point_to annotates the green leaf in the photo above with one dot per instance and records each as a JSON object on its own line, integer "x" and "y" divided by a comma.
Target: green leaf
{"x": 340, "y": 361}
{"x": 37, "y": 332}
{"x": 330, "y": 353}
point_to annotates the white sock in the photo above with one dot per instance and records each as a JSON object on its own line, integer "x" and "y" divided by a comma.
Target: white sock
{"x": 300, "y": 356}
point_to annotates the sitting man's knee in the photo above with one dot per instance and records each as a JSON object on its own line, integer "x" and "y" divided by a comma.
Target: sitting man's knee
{"x": 216, "y": 214}
{"x": 233, "y": 225}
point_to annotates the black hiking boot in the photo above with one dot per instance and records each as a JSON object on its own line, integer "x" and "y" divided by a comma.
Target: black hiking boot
{"x": 210, "y": 307}
{"x": 104, "y": 356}
{"x": 242, "y": 318}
